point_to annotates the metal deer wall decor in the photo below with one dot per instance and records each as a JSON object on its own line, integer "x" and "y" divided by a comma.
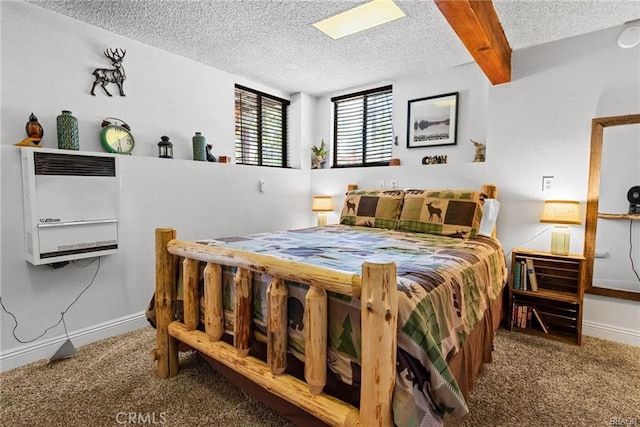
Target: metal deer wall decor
{"x": 111, "y": 75}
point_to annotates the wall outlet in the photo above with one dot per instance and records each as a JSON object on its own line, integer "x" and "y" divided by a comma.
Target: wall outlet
{"x": 601, "y": 255}
{"x": 393, "y": 184}
{"x": 548, "y": 182}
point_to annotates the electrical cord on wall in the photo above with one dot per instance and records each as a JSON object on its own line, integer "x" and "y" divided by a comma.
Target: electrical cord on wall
{"x": 633, "y": 267}
{"x": 526, "y": 241}
{"x": 61, "y": 314}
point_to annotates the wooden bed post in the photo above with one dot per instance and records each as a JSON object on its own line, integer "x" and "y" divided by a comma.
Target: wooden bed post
{"x": 190, "y": 294}
{"x": 277, "y": 339}
{"x": 379, "y": 316}
{"x": 213, "y": 306}
{"x": 491, "y": 190}
{"x": 165, "y": 298}
{"x": 243, "y": 312}
{"x": 315, "y": 339}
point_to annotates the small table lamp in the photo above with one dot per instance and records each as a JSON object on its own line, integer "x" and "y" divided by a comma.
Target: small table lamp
{"x": 322, "y": 205}
{"x": 561, "y": 213}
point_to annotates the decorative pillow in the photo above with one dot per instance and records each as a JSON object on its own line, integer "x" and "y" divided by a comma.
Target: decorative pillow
{"x": 455, "y": 213}
{"x": 372, "y": 208}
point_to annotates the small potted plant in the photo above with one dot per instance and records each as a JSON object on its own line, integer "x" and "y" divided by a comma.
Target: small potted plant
{"x": 319, "y": 155}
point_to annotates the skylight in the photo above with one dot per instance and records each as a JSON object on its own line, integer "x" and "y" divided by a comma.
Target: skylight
{"x": 363, "y": 17}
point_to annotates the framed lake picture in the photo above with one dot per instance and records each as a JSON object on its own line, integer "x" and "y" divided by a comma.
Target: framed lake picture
{"x": 432, "y": 121}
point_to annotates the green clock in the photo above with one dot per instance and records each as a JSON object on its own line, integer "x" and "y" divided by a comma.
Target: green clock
{"x": 116, "y": 137}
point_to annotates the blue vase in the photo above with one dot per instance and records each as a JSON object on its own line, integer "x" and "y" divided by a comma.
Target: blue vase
{"x": 67, "y": 131}
{"x": 199, "y": 147}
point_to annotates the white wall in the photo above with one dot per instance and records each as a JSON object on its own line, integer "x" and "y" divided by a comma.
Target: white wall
{"x": 468, "y": 81}
{"x": 47, "y": 60}
{"x": 539, "y": 124}
{"x": 558, "y": 88}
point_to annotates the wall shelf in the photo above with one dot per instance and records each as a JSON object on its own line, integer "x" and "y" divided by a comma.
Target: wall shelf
{"x": 618, "y": 216}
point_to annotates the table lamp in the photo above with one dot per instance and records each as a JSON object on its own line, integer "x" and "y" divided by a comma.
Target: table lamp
{"x": 322, "y": 205}
{"x": 561, "y": 213}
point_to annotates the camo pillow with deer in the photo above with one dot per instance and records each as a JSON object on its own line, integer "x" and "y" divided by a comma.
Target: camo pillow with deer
{"x": 454, "y": 213}
{"x": 372, "y": 208}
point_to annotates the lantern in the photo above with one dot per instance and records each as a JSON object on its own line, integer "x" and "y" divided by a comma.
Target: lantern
{"x": 165, "y": 148}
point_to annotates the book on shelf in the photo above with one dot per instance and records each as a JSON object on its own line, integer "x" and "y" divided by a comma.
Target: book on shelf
{"x": 541, "y": 322}
{"x": 524, "y": 315}
{"x": 531, "y": 274}
{"x": 523, "y": 278}
{"x": 517, "y": 310}
{"x": 524, "y": 282}
{"x": 519, "y": 318}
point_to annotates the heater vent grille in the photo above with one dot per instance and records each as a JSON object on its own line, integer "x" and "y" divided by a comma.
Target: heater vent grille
{"x": 73, "y": 165}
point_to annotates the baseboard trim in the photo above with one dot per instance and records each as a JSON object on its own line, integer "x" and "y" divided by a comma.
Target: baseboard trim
{"x": 611, "y": 333}
{"x": 18, "y": 356}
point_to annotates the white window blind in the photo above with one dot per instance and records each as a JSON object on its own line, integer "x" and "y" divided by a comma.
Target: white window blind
{"x": 363, "y": 128}
{"x": 261, "y": 128}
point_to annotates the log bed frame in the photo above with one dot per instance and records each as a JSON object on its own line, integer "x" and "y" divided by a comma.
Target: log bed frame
{"x": 376, "y": 287}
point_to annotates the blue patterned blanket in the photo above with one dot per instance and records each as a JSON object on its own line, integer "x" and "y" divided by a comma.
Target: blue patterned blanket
{"x": 446, "y": 286}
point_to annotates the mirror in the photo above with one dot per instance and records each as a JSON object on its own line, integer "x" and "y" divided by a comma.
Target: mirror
{"x": 610, "y": 230}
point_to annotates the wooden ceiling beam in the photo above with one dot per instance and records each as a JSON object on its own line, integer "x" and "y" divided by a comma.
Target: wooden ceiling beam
{"x": 479, "y": 29}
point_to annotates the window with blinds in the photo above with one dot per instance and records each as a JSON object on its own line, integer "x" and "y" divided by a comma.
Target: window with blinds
{"x": 363, "y": 128}
{"x": 261, "y": 128}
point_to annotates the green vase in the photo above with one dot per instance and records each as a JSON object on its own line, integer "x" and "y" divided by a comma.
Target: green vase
{"x": 199, "y": 147}
{"x": 67, "y": 131}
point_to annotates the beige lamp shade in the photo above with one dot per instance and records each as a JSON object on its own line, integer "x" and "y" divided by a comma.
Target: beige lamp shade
{"x": 322, "y": 204}
{"x": 561, "y": 212}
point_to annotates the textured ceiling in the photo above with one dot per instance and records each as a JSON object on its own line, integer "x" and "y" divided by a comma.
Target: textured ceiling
{"x": 274, "y": 43}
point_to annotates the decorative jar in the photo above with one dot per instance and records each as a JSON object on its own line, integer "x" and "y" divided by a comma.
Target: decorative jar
{"x": 67, "y": 131}
{"x": 199, "y": 147}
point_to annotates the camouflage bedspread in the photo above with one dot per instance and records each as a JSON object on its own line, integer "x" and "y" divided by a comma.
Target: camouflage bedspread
{"x": 446, "y": 286}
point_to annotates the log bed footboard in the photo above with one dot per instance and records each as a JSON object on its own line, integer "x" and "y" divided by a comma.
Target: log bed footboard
{"x": 376, "y": 288}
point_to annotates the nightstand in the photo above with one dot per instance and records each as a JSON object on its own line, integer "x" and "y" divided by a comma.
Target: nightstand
{"x": 546, "y": 294}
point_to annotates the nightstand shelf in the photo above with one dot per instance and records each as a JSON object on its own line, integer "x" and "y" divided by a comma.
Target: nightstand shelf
{"x": 545, "y": 293}
{"x": 554, "y": 310}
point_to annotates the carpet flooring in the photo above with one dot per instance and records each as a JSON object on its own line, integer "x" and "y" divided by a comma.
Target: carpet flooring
{"x": 532, "y": 382}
